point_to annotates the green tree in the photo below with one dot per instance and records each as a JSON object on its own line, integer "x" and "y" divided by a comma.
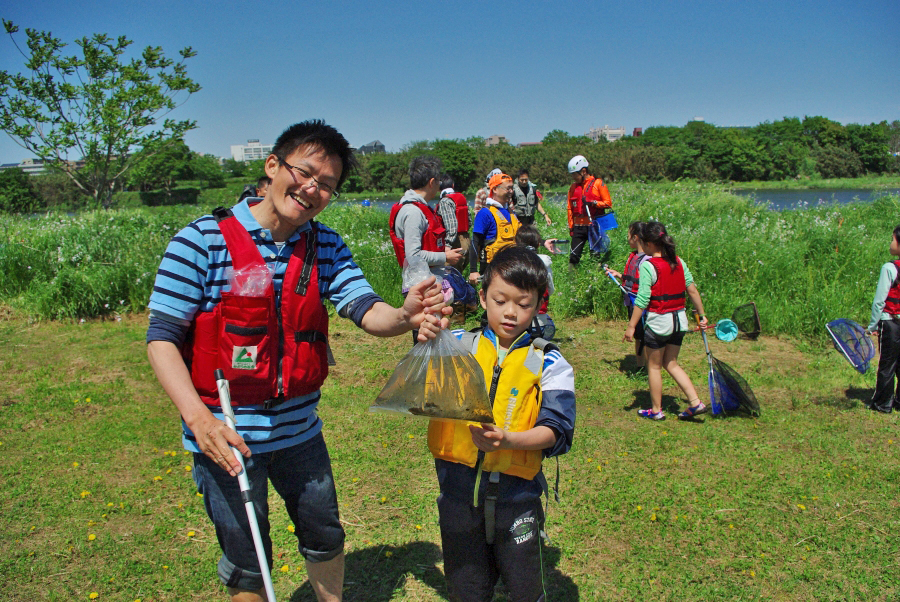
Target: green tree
{"x": 458, "y": 160}
{"x": 234, "y": 169}
{"x": 160, "y": 165}
{"x": 16, "y": 192}
{"x": 96, "y": 107}
{"x": 206, "y": 168}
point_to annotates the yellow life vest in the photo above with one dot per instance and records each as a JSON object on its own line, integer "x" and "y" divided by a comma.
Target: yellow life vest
{"x": 516, "y": 386}
{"x": 506, "y": 232}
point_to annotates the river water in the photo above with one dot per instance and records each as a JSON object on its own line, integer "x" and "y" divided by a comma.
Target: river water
{"x": 814, "y": 197}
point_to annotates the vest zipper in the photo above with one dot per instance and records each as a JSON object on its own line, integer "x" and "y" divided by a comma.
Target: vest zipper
{"x": 495, "y": 379}
{"x": 279, "y": 382}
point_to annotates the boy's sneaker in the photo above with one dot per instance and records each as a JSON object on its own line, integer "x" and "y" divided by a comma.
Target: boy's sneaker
{"x": 691, "y": 412}
{"x": 660, "y": 415}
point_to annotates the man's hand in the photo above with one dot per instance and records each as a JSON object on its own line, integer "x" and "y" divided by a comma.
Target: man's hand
{"x": 548, "y": 220}
{"x": 423, "y": 308}
{"x": 629, "y": 334}
{"x": 215, "y": 438}
{"x": 474, "y": 278}
{"x": 453, "y": 256}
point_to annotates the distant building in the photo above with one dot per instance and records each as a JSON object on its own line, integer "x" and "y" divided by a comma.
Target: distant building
{"x": 611, "y": 134}
{"x": 637, "y": 132}
{"x": 373, "y": 147}
{"x": 495, "y": 140}
{"x": 521, "y": 144}
{"x": 34, "y": 167}
{"x": 251, "y": 151}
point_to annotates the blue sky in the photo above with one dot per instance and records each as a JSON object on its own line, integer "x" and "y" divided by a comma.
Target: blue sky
{"x": 405, "y": 71}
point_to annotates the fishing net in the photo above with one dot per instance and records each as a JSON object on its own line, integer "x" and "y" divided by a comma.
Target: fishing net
{"x": 851, "y": 340}
{"x": 747, "y": 319}
{"x": 729, "y": 392}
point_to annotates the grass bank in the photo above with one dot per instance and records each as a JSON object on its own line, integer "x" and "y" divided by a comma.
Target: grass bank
{"x": 801, "y": 267}
{"x": 798, "y": 505}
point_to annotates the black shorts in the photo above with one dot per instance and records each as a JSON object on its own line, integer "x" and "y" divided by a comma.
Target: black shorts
{"x": 472, "y": 566}
{"x": 656, "y": 341}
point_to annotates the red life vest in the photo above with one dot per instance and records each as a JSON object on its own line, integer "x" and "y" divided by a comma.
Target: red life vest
{"x": 462, "y": 211}
{"x": 667, "y": 294}
{"x": 892, "y": 303}
{"x": 632, "y": 273}
{"x": 266, "y": 356}
{"x": 432, "y": 238}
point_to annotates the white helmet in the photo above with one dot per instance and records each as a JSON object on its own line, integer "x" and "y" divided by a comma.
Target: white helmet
{"x": 493, "y": 173}
{"x": 576, "y": 163}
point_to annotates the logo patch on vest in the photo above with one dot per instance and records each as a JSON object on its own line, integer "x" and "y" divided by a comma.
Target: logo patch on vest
{"x": 243, "y": 358}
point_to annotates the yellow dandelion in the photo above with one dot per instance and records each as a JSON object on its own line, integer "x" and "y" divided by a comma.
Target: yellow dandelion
{"x": 411, "y": 436}
{"x": 890, "y": 441}
{"x": 169, "y": 471}
{"x": 87, "y": 400}
{"x": 388, "y": 553}
{"x": 198, "y": 494}
{"x": 731, "y": 526}
{"x": 291, "y": 528}
{"x": 109, "y": 504}
{"x": 33, "y": 527}
{"x": 93, "y": 596}
{"x": 76, "y": 401}
{"x": 92, "y": 537}
{"x": 186, "y": 453}
{"x": 180, "y": 505}
{"x": 285, "y": 569}
{"x": 599, "y": 469}
{"x": 157, "y": 478}
{"x": 191, "y": 533}
{"x": 85, "y": 493}
{"x": 103, "y": 516}
{"x": 75, "y": 464}
{"x": 418, "y": 527}
{"x": 188, "y": 468}
{"x": 752, "y": 574}
{"x": 165, "y": 567}
{"x": 653, "y": 516}
{"x": 91, "y": 523}
{"x": 590, "y": 460}
{"x": 384, "y": 445}
{"x": 638, "y": 508}
{"x": 383, "y": 499}
{"x": 355, "y": 479}
{"x": 801, "y": 506}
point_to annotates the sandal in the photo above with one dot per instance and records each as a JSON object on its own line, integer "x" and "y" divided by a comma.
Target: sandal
{"x": 693, "y": 411}
{"x": 660, "y": 415}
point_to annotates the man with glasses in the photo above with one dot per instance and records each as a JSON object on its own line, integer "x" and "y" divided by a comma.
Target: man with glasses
{"x": 495, "y": 225}
{"x": 242, "y": 290}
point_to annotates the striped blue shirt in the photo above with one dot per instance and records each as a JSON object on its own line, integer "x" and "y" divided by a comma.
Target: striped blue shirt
{"x": 191, "y": 278}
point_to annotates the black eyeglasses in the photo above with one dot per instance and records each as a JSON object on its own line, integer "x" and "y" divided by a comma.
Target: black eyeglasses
{"x": 325, "y": 189}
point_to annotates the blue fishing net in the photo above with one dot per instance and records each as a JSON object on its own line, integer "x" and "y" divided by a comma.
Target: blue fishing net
{"x": 851, "y": 340}
{"x": 729, "y": 392}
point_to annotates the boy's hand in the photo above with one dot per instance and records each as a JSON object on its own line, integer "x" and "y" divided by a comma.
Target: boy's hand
{"x": 215, "y": 439}
{"x": 453, "y": 255}
{"x": 629, "y": 334}
{"x": 489, "y": 437}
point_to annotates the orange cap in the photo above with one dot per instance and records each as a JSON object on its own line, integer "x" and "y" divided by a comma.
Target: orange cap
{"x": 498, "y": 179}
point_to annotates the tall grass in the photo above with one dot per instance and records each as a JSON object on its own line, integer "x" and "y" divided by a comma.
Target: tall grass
{"x": 801, "y": 267}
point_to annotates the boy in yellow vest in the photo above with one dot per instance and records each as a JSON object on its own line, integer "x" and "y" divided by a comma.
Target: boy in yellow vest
{"x": 490, "y": 474}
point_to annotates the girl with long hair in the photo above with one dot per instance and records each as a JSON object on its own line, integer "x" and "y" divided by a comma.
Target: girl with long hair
{"x": 663, "y": 284}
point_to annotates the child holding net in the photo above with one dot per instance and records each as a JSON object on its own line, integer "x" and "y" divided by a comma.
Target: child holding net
{"x": 629, "y": 277}
{"x": 885, "y": 322}
{"x": 664, "y": 281}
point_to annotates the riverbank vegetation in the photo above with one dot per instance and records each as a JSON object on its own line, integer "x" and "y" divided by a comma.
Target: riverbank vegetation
{"x": 802, "y": 268}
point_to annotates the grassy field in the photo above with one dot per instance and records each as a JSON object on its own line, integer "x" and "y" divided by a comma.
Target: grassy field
{"x": 799, "y": 504}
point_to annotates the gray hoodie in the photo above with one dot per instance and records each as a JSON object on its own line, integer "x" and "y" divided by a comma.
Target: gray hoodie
{"x": 410, "y": 225}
